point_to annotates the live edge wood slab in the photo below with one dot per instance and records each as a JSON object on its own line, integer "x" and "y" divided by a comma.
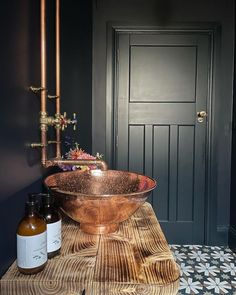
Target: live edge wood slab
{"x": 135, "y": 260}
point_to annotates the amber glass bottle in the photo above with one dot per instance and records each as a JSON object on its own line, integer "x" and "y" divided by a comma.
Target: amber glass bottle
{"x": 31, "y": 240}
{"x": 53, "y": 220}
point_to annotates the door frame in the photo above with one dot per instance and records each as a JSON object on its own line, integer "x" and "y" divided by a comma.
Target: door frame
{"x": 214, "y": 32}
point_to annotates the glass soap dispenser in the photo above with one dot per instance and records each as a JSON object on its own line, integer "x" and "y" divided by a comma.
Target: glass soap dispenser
{"x": 53, "y": 220}
{"x": 31, "y": 240}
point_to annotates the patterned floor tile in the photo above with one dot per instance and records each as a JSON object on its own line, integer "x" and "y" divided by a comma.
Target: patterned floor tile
{"x": 205, "y": 270}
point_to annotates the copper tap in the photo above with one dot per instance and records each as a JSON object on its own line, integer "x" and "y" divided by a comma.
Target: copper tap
{"x": 59, "y": 121}
{"x": 77, "y": 162}
{"x": 66, "y": 121}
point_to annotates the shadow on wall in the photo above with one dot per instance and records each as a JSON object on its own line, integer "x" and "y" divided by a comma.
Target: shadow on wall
{"x": 11, "y": 211}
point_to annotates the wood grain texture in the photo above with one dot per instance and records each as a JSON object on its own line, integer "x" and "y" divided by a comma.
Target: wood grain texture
{"x": 136, "y": 260}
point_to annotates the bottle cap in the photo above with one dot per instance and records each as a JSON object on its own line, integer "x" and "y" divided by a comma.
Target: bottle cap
{"x": 31, "y": 205}
{"x": 47, "y": 199}
{"x": 32, "y": 197}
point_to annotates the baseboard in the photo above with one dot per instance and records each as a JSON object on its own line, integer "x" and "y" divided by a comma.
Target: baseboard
{"x": 222, "y": 235}
{"x": 232, "y": 238}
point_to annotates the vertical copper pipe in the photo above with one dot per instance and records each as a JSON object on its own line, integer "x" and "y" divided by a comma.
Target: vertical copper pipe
{"x": 43, "y": 55}
{"x": 58, "y": 82}
{"x": 43, "y": 78}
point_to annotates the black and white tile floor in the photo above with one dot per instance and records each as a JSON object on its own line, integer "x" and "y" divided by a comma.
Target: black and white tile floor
{"x": 205, "y": 270}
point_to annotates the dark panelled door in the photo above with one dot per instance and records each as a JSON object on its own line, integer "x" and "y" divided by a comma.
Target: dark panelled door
{"x": 161, "y": 84}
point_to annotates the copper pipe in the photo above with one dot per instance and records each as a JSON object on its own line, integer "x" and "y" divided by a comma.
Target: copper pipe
{"x": 44, "y": 146}
{"x": 43, "y": 56}
{"x": 58, "y": 143}
{"x": 58, "y": 90}
{"x": 43, "y": 79}
{"x": 79, "y": 162}
{"x": 58, "y": 82}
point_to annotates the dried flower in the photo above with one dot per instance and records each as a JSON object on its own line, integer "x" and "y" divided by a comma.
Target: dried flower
{"x": 77, "y": 153}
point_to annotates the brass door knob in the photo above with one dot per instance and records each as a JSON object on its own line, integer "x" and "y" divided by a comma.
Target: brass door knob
{"x": 201, "y": 115}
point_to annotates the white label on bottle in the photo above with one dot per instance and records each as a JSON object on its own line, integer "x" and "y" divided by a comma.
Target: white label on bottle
{"x": 54, "y": 236}
{"x": 31, "y": 250}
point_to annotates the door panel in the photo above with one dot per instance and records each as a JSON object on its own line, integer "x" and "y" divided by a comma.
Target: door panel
{"x": 136, "y": 148}
{"x": 170, "y": 65}
{"x": 161, "y": 83}
{"x": 161, "y": 144}
{"x": 162, "y": 113}
{"x": 185, "y": 182}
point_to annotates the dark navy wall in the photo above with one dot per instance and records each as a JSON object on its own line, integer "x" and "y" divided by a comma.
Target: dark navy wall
{"x": 76, "y": 67}
{"x": 232, "y": 236}
{"x": 20, "y": 171}
{"x": 20, "y": 168}
{"x": 232, "y": 232}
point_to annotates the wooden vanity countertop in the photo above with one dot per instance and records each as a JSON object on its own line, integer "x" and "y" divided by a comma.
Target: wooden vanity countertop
{"x": 136, "y": 260}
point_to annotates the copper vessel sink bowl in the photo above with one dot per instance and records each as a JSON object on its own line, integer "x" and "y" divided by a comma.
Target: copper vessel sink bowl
{"x": 99, "y": 200}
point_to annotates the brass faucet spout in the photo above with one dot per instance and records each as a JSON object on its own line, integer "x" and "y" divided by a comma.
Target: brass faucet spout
{"x": 78, "y": 162}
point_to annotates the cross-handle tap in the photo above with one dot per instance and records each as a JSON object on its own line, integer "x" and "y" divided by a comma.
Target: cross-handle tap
{"x": 59, "y": 121}
{"x": 74, "y": 121}
{"x": 66, "y": 121}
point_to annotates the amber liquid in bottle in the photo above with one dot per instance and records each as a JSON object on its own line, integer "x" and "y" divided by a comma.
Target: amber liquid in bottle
{"x": 31, "y": 241}
{"x": 53, "y": 220}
